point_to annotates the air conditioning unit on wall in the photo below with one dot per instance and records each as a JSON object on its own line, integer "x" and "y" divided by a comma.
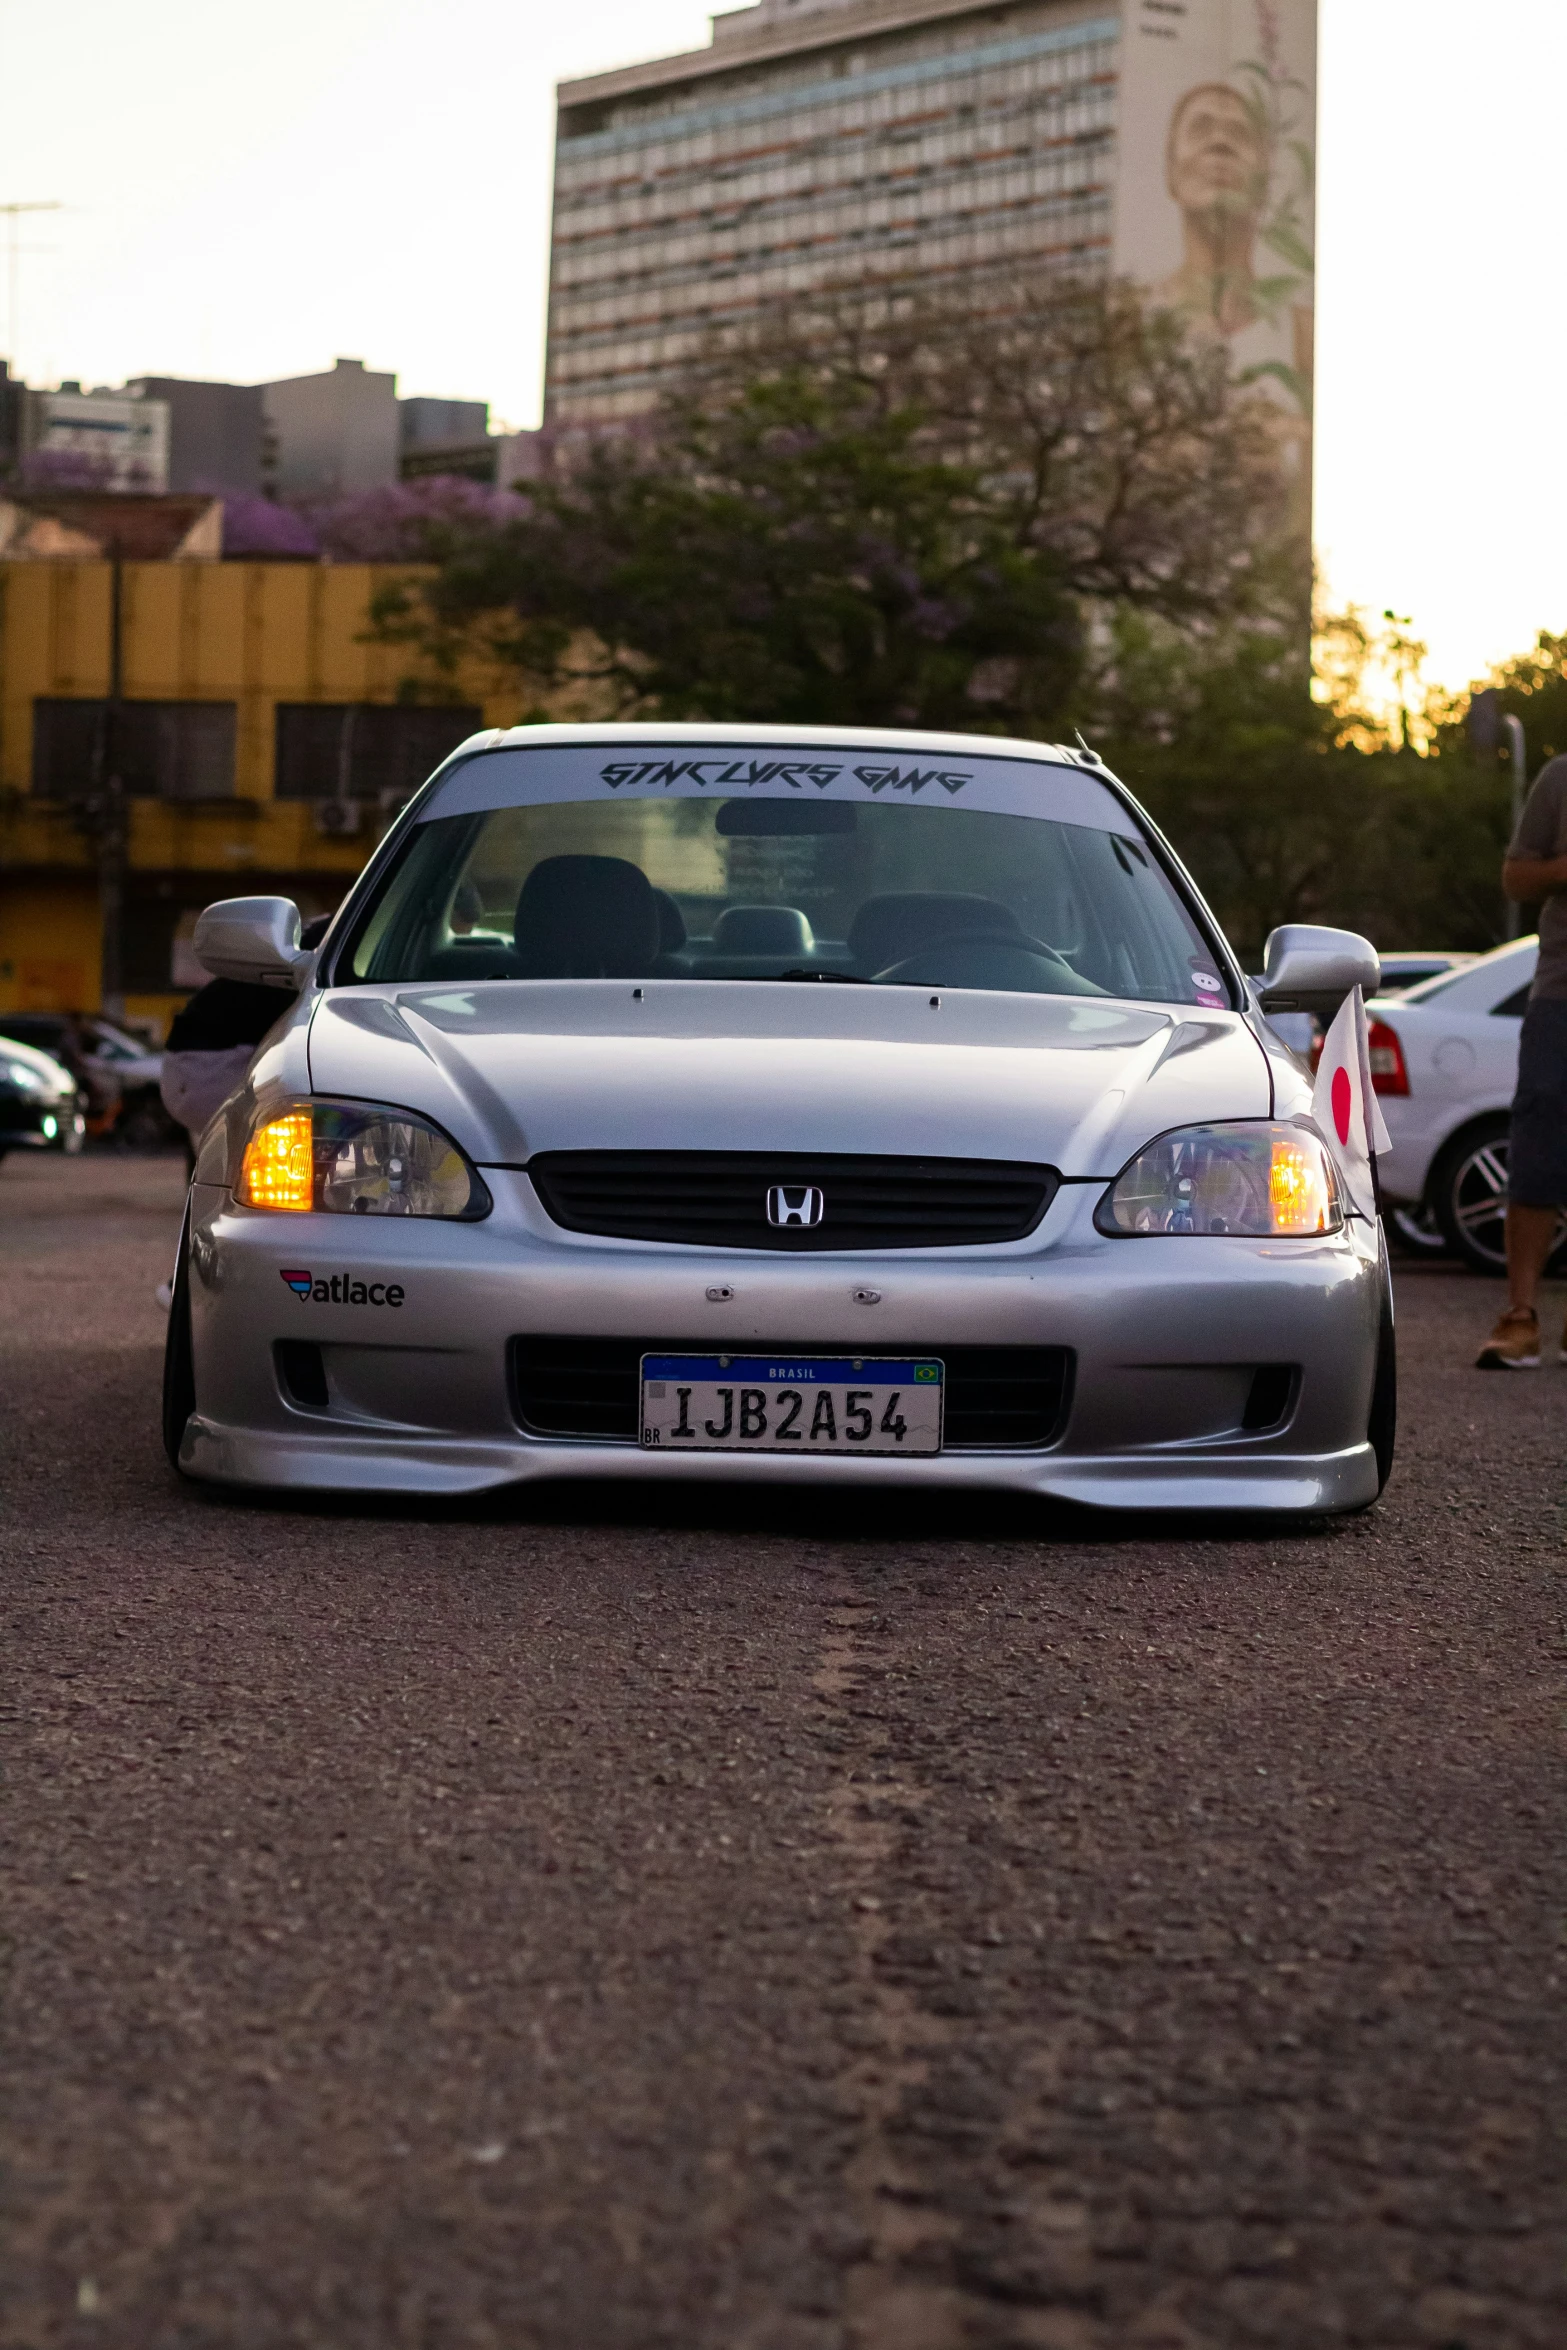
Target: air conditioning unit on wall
{"x": 338, "y": 819}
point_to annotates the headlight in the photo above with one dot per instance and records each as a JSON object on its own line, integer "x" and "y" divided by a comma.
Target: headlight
{"x": 356, "y": 1159}
{"x": 25, "y": 1080}
{"x": 1262, "y": 1182}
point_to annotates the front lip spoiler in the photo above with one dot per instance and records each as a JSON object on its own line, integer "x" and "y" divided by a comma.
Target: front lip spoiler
{"x": 301, "y": 1461}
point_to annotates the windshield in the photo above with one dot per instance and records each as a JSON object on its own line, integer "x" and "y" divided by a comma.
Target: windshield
{"x": 706, "y": 885}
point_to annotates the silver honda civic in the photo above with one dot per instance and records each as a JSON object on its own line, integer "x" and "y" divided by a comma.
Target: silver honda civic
{"x": 756, "y": 1102}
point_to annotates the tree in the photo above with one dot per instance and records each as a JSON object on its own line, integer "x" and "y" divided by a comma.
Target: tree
{"x": 1295, "y": 803}
{"x": 902, "y": 520}
{"x": 1533, "y": 687}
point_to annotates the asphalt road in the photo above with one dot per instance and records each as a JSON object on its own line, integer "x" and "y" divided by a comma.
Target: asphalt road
{"x": 718, "y": 1924}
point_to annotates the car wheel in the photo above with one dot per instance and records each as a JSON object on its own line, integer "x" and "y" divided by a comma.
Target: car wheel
{"x": 179, "y": 1366}
{"x": 1415, "y": 1232}
{"x": 1468, "y": 1196}
{"x": 1382, "y": 1426}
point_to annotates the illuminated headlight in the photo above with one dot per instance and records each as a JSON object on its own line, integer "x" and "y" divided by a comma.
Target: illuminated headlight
{"x": 25, "y": 1080}
{"x": 1263, "y": 1182}
{"x": 358, "y": 1159}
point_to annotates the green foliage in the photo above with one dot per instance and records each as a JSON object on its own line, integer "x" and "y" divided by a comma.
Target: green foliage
{"x": 902, "y": 526}
{"x": 1074, "y": 516}
{"x": 1291, "y": 808}
{"x": 796, "y": 552}
{"x": 1533, "y": 687}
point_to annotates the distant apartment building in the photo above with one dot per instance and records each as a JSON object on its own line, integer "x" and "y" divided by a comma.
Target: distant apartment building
{"x": 334, "y": 433}
{"x": 118, "y": 440}
{"x": 264, "y": 736}
{"x": 216, "y": 434}
{"x": 13, "y": 409}
{"x": 943, "y": 144}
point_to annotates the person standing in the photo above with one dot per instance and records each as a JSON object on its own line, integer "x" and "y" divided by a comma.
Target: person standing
{"x": 1534, "y": 873}
{"x": 213, "y": 1041}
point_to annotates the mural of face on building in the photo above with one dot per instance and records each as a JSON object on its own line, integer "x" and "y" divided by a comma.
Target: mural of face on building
{"x": 1216, "y": 197}
{"x": 1216, "y": 169}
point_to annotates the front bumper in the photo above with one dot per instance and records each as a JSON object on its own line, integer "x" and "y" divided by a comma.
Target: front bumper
{"x": 40, "y": 1126}
{"x": 414, "y": 1320}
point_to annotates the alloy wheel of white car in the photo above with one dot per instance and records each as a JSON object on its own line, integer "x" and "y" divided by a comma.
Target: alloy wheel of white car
{"x": 1469, "y": 1198}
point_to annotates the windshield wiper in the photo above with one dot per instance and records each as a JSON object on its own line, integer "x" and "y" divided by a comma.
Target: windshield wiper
{"x": 833, "y": 978}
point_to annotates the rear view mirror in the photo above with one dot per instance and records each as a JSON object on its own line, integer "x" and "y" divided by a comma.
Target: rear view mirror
{"x": 782, "y": 819}
{"x": 1310, "y": 969}
{"x": 254, "y": 939}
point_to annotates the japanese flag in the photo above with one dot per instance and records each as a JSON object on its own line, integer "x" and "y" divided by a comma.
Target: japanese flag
{"x": 1345, "y": 1106}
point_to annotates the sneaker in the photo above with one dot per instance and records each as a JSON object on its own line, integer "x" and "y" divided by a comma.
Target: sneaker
{"x": 1514, "y": 1345}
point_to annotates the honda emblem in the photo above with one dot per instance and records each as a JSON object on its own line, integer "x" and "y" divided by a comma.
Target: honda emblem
{"x": 796, "y": 1204}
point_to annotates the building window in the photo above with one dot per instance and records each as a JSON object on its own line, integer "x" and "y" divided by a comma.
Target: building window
{"x": 364, "y": 750}
{"x": 159, "y": 750}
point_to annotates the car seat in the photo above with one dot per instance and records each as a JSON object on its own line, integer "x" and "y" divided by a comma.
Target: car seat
{"x": 777, "y": 931}
{"x": 586, "y": 918}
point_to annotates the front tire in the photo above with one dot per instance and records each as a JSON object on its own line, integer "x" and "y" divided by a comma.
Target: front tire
{"x": 179, "y": 1362}
{"x": 1382, "y": 1425}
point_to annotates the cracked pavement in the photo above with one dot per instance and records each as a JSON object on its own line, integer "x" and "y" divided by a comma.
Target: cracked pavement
{"x": 631, "y": 1918}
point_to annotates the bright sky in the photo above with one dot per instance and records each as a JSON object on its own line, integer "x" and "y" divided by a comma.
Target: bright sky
{"x": 251, "y": 192}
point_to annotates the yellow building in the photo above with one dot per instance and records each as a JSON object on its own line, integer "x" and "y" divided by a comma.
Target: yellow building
{"x": 264, "y": 741}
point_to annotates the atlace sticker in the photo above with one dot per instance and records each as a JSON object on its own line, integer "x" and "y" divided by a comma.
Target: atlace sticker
{"x": 341, "y": 1289}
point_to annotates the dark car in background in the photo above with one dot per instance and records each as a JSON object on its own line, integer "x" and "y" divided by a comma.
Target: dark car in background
{"x": 41, "y": 1105}
{"x": 117, "y": 1071}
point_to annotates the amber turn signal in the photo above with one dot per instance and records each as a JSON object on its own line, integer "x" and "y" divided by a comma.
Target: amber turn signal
{"x": 1298, "y": 1187}
{"x": 279, "y": 1167}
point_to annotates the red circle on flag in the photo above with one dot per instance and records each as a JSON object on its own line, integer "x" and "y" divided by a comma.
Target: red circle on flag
{"x": 1343, "y": 1102}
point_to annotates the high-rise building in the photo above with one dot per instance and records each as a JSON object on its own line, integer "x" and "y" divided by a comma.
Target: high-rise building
{"x": 967, "y": 145}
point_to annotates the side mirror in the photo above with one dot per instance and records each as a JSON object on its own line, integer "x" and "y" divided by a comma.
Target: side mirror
{"x": 255, "y": 939}
{"x": 1312, "y": 970}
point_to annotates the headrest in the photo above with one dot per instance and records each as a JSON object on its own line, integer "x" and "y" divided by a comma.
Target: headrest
{"x": 586, "y": 918}
{"x": 763, "y": 930}
{"x": 886, "y": 929}
{"x": 671, "y": 924}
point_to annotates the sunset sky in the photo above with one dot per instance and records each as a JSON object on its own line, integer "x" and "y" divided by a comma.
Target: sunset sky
{"x": 251, "y": 193}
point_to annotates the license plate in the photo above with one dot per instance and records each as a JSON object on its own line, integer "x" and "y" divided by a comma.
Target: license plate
{"x": 801, "y": 1405}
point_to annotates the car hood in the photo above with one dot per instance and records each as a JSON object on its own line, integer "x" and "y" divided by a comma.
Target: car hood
{"x": 514, "y": 1069}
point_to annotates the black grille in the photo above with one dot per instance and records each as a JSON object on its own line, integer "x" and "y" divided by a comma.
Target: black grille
{"x": 718, "y": 1199}
{"x": 999, "y": 1398}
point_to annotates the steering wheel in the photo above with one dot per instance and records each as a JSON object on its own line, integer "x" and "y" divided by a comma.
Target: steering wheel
{"x": 905, "y": 973}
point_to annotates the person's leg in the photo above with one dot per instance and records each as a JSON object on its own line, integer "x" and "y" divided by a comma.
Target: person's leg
{"x": 1536, "y": 1175}
{"x": 1530, "y": 1232}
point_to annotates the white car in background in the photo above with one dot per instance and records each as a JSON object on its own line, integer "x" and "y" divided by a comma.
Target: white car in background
{"x": 1404, "y": 970}
{"x": 1444, "y": 1061}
